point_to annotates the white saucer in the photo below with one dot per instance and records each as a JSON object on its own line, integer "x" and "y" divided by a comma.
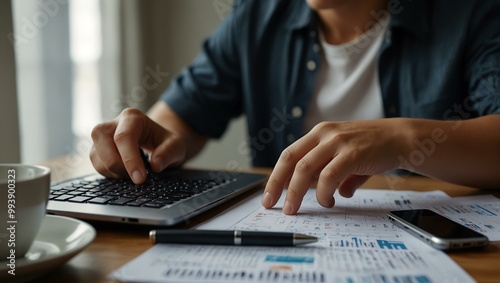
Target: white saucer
{"x": 59, "y": 239}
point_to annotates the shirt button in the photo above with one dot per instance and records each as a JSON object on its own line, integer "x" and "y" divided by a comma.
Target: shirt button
{"x": 311, "y": 65}
{"x": 290, "y": 138}
{"x": 316, "y": 47}
{"x": 313, "y": 33}
{"x": 297, "y": 112}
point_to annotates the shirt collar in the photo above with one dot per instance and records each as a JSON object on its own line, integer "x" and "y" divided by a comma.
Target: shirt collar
{"x": 301, "y": 16}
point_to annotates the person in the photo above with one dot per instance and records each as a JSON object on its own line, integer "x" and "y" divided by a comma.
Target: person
{"x": 334, "y": 91}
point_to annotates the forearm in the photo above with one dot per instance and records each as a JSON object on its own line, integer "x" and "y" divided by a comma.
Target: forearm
{"x": 464, "y": 152}
{"x": 162, "y": 114}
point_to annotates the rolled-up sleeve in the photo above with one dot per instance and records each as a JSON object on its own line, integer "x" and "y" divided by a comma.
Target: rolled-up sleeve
{"x": 483, "y": 63}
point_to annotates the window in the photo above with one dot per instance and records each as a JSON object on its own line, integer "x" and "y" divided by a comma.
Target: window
{"x": 58, "y": 47}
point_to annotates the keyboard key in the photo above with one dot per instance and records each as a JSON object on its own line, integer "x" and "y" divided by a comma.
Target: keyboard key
{"x": 63, "y": 197}
{"x": 164, "y": 200}
{"x": 138, "y": 202}
{"x": 154, "y": 205}
{"x": 113, "y": 194}
{"x": 79, "y": 199}
{"x": 90, "y": 186}
{"x": 100, "y": 200}
{"x": 58, "y": 188}
{"x": 91, "y": 195}
{"x": 120, "y": 201}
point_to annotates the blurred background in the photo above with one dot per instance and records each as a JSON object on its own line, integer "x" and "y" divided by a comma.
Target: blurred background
{"x": 66, "y": 65}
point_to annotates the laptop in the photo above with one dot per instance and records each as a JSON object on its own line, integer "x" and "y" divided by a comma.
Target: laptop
{"x": 167, "y": 198}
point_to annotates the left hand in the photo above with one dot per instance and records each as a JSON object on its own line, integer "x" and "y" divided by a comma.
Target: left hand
{"x": 335, "y": 155}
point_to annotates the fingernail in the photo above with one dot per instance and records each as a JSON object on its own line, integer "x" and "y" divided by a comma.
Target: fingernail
{"x": 353, "y": 191}
{"x": 137, "y": 177}
{"x": 160, "y": 163}
{"x": 287, "y": 208}
{"x": 267, "y": 200}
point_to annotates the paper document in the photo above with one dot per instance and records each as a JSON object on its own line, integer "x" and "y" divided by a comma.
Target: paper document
{"x": 480, "y": 213}
{"x": 357, "y": 243}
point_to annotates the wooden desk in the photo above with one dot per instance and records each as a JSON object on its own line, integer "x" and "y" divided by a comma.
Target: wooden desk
{"x": 115, "y": 245}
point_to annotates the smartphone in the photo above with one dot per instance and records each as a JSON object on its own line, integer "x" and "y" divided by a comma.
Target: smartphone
{"x": 437, "y": 230}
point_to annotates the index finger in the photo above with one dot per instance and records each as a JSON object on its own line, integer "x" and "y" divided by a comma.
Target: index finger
{"x": 127, "y": 135}
{"x": 284, "y": 168}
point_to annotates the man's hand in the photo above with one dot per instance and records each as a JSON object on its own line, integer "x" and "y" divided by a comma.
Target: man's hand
{"x": 115, "y": 153}
{"x": 335, "y": 155}
{"x": 343, "y": 155}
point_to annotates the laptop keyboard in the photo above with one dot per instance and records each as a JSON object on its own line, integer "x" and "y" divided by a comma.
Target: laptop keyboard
{"x": 154, "y": 193}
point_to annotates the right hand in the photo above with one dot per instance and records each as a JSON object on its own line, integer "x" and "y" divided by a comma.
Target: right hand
{"x": 115, "y": 153}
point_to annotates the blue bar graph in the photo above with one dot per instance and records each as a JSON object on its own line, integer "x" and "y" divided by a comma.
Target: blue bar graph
{"x": 391, "y": 245}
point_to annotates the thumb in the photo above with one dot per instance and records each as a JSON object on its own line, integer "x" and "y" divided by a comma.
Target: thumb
{"x": 169, "y": 153}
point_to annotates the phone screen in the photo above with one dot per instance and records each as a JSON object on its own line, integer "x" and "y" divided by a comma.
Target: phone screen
{"x": 436, "y": 224}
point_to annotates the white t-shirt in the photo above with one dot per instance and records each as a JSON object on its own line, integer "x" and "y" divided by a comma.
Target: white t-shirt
{"x": 347, "y": 87}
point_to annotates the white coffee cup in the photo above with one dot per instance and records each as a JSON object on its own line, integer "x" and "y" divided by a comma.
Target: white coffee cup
{"x": 24, "y": 193}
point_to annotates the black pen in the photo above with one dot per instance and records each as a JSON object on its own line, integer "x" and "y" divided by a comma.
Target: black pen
{"x": 233, "y": 238}
{"x": 145, "y": 160}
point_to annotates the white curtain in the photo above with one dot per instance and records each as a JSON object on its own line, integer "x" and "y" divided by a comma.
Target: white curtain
{"x": 44, "y": 78}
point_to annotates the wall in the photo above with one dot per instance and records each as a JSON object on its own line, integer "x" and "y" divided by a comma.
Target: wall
{"x": 9, "y": 128}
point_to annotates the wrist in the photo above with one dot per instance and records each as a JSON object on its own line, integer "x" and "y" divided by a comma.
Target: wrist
{"x": 420, "y": 139}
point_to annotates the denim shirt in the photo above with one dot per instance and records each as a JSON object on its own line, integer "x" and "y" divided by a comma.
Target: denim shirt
{"x": 439, "y": 60}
